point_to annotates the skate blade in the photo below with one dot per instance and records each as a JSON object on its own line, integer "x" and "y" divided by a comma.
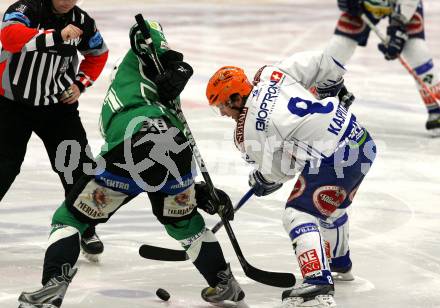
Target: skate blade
{"x": 435, "y": 132}
{"x": 91, "y": 257}
{"x": 342, "y": 276}
{"x": 320, "y": 301}
{"x": 231, "y": 304}
{"x": 27, "y": 305}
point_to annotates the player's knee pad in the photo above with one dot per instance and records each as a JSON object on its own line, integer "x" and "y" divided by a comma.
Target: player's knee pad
{"x": 335, "y": 233}
{"x": 341, "y": 48}
{"x": 306, "y": 239}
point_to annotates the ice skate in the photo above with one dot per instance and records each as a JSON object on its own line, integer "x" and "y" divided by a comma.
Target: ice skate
{"x": 342, "y": 274}
{"x": 433, "y": 124}
{"x": 309, "y": 295}
{"x": 52, "y": 294}
{"x": 92, "y": 248}
{"x": 227, "y": 293}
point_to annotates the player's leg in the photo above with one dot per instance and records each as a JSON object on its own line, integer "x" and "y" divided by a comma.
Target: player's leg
{"x": 417, "y": 53}
{"x": 350, "y": 32}
{"x": 175, "y": 204}
{"x": 317, "y": 288}
{"x": 205, "y": 252}
{"x": 335, "y": 235}
{"x": 67, "y": 146}
{"x": 88, "y": 203}
{"x": 61, "y": 255}
{"x": 15, "y": 131}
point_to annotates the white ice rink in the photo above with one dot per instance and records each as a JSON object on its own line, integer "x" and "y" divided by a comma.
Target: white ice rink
{"x": 395, "y": 233}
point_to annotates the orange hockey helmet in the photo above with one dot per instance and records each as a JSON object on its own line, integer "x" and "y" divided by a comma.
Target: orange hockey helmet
{"x": 226, "y": 81}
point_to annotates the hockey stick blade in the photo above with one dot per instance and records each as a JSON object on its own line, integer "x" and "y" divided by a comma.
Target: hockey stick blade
{"x": 275, "y": 279}
{"x": 162, "y": 254}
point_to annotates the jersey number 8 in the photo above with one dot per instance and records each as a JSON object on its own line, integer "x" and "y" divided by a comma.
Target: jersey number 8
{"x": 302, "y": 107}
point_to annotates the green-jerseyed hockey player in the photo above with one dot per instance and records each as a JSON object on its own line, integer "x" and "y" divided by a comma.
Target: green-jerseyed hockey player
{"x": 145, "y": 151}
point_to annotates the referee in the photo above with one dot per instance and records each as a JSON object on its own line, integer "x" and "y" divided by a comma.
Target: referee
{"x": 41, "y": 80}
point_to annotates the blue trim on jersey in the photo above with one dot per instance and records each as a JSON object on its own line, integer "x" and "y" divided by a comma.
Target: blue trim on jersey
{"x": 118, "y": 183}
{"x": 336, "y": 224}
{"x": 175, "y": 187}
{"x": 303, "y": 229}
{"x": 17, "y": 16}
{"x": 339, "y": 64}
{"x": 425, "y": 67}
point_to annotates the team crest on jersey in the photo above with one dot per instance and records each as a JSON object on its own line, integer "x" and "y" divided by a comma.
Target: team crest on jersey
{"x": 328, "y": 198}
{"x": 276, "y": 76}
{"x": 298, "y": 189}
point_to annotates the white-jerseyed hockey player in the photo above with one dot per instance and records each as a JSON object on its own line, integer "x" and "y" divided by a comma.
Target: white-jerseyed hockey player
{"x": 284, "y": 130}
{"x": 406, "y": 35}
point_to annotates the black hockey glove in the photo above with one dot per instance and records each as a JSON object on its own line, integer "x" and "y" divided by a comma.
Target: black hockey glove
{"x": 261, "y": 186}
{"x": 352, "y": 7}
{"x": 173, "y": 80}
{"x": 206, "y": 203}
{"x": 345, "y": 98}
{"x": 329, "y": 89}
{"x": 397, "y": 37}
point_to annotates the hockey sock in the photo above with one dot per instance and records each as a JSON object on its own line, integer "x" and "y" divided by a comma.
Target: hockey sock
{"x": 307, "y": 243}
{"x": 64, "y": 242}
{"x": 418, "y": 55}
{"x": 201, "y": 245}
{"x": 335, "y": 233}
{"x": 64, "y": 247}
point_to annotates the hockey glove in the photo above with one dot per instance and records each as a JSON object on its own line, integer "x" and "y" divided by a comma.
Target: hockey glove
{"x": 352, "y": 7}
{"x": 172, "y": 82}
{"x": 396, "y": 39}
{"x": 329, "y": 89}
{"x": 261, "y": 186}
{"x": 204, "y": 201}
{"x": 345, "y": 98}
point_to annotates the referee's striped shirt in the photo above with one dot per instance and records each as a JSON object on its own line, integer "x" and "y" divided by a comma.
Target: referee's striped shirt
{"x": 36, "y": 66}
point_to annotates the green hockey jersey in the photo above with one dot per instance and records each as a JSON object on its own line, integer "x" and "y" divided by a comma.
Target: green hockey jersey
{"x": 132, "y": 97}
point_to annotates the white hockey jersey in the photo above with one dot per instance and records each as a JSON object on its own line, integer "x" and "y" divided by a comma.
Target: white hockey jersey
{"x": 283, "y": 125}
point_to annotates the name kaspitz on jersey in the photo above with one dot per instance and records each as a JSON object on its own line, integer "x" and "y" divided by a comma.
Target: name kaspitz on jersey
{"x": 338, "y": 121}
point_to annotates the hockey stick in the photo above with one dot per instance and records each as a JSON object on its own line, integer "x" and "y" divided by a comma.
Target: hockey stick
{"x": 166, "y": 254}
{"x": 401, "y": 59}
{"x": 270, "y": 278}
